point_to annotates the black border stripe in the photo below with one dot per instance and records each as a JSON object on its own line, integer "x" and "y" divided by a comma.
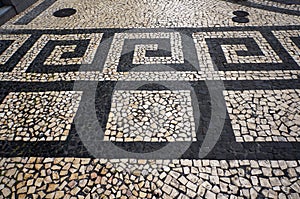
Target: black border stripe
{"x": 35, "y": 12}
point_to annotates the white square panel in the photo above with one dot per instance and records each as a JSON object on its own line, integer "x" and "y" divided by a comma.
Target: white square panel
{"x": 38, "y": 116}
{"x": 264, "y": 115}
{"x": 151, "y": 116}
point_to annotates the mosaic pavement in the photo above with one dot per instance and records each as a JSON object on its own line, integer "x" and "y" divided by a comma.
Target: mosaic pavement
{"x": 151, "y": 99}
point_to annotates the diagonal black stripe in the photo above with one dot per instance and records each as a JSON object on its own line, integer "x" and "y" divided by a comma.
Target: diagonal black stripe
{"x": 28, "y": 17}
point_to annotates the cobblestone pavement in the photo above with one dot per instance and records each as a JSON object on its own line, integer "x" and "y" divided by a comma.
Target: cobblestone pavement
{"x": 151, "y": 99}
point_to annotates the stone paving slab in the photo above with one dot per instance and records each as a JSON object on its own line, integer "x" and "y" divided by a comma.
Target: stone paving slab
{"x": 102, "y": 178}
{"x": 151, "y": 99}
{"x": 159, "y": 14}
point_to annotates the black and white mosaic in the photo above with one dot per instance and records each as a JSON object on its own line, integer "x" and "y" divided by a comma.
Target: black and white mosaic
{"x": 290, "y": 40}
{"x": 290, "y": 7}
{"x": 172, "y": 100}
{"x": 151, "y": 14}
{"x": 59, "y": 53}
{"x": 151, "y": 116}
{"x": 38, "y": 116}
{"x": 264, "y": 115}
{"x": 49, "y": 52}
{"x": 241, "y": 55}
{"x": 9, "y": 46}
{"x": 241, "y": 50}
{"x": 129, "y": 50}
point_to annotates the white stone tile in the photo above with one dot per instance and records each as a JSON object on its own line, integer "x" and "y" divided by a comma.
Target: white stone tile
{"x": 264, "y": 115}
{"x": 38, "y": 116}
{"x": 151, "y": 116}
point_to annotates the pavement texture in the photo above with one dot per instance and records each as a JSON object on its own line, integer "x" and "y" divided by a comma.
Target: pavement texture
{"x": 151, "y": 99}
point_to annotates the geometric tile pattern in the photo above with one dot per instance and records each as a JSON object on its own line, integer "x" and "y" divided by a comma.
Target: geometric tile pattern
{"x": 143, "y": 140}
{"x": 60, "y": 59}
{"x": 151, "y": 116}
{"x": 234, "y": 47}
{"x": 38, "y": 116}
{"x": 290, "y": 40}
{"x": 264, "y": 115}
{"x": 140, "y": 50}
{"x": 6, "y": 52}
{"x": 56, "y": 57}
{"x": 9, "y": 45}
{"x": 139, "y": 56}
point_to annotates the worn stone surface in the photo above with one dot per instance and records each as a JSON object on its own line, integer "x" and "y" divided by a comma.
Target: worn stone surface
{"x": 151, "y": 99}
{"x": 126, "y": 179}
{"x": 150, "y": 116}
{"x": 264, "y": 115}
{"x": 49, "y": 115}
